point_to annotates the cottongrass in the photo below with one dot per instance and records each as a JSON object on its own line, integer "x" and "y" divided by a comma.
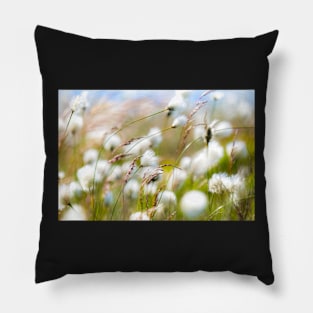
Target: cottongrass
{"x": 237, "y": 148}
{"x": 183, "y": 93}
{"x": 85, "y": 176}
{"x": 193, "y": 203}
{"x": 90, "y": 156}
{"x": 149, "y": 159}
{"x": 61, "y": 126}
{"x": 139, "y": 216}
{"x": 75, "y": 124}
{"x": 132, "y": 188}
{"x": 213, "y": 131}
{"x": 180, "y": 121}
{"x": 176, "y": 179}
{"x": 64, "y": 196}
{"x": 75, "y": 189}
{"x": 115, "y": 174}
{"x": 79, "y": 103}
{"x": 234, "y": 185}
{"x": 185, "y": 163}
{"x": 155, "y": 136}
{"x": 206, "y": 158}
{"x": 111, "y": 142}
{"x": 150, "y": 168}
{"x": 102, "y": 169}
{"x": 167, "y": 198}
{"x": 223, "y": 129}
{"x": 177, "y": 105}
{"x": 219, "y": 183}
{"x": 74, "y": 213}
{"x": 217, "y": 95}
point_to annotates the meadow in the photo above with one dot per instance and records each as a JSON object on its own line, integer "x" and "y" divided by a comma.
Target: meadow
{"x": 188, "y": 155}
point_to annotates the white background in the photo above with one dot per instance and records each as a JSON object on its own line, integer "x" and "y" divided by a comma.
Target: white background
{"x": 288, "y": 155}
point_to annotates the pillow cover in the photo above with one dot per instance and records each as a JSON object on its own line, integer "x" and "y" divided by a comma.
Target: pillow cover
{"x": 154, "y": 155}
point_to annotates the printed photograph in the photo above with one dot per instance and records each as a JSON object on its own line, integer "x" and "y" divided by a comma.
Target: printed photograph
{"x": 156, "y": 155}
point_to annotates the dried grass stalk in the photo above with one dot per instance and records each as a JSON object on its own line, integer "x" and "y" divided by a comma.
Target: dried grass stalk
{"x": 118, "y": 157}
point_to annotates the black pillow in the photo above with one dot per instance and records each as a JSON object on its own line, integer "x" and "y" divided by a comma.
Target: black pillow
{"x": 154, "y": 155}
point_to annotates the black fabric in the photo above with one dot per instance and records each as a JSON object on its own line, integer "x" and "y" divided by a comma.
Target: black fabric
{"x": 72, "y": 62}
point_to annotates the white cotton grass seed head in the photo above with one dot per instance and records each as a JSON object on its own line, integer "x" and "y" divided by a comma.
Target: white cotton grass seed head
{"x": 240, "y": 191}
{"x": 90, "y": 173}
{"x": 111, "y": 142}
{"x": 79, "y": 102}
{"x": 214, "y": 152}
{"x": 116, "y": 174}
{"x": 131, "y": 189}
{"x": 180, "y": 121}
{"x": 64, "y": 196}
{"x": 218, "y": 183}
{"x": 90, "y": 156}
{"x": 193, "y": 203}
{"x": 183, "y": 93}
{"x": 206, "y": 159}
{"x": 84, "y": 103}
{"x": 155, "y": 136}
{"x": 200, "y": 164}
{"x": 74, "y": 104}
{"x": 74, "y": 213}
{"x": 237, "y": 148}
{"x": 96, "y": 136}
{"x": 222, "y": 182}
{"x": 217, "y": 95}
{"x": 149, "y": 159}
{"x": 102, "y": 169}
{"x": 185, "y": 162}
{"x": 85, "y": 176}
{"x": 245, "y": 110}
{"x": 167, "y": 198}
{"x": 237, "y": 183}
{"x": 75, "y": 124}
{"x": 177, "y": 179}
{"x": 199, "y": 132}
{"x": 210, "y": 132}
{"x": 223, "y": 129}
{"x": 207, "y": 133}
{"x": 139, "y": 216}
{"x": 125, "y": 167}
{"x": 61, "y": 126}
{"x": 75, "y": 189}
{"x": 176, "y": 106}
{"x": 61, "y": 175}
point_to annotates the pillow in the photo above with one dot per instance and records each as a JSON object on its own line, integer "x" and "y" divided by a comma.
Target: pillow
{"x": 154, "y": 155}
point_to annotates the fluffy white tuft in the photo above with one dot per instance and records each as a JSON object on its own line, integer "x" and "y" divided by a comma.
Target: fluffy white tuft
{"x": 193, "y": 203}
{"x": 180, "y": 121}
{"x": 139, "y": 216}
